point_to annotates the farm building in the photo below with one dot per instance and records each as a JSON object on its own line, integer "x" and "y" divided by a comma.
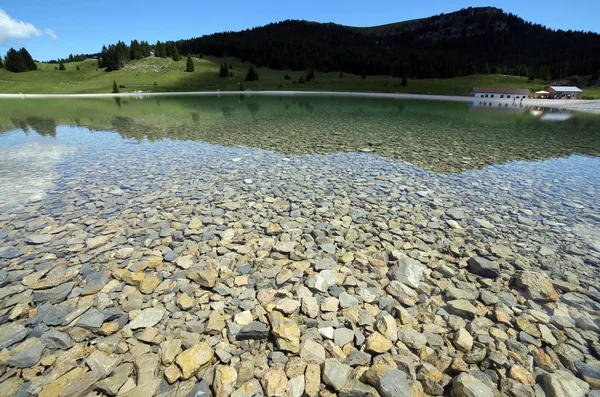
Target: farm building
{"x": 499, "y": 93}
{"x": 564, "y": 92}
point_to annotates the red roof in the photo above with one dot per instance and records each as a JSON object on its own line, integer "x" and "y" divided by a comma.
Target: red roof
{"x": 492, "y": 90}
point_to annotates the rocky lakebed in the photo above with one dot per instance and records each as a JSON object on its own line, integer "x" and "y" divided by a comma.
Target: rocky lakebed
{"x": 180, "y": 268}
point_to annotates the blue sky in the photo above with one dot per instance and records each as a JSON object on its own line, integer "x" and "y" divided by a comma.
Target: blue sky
{"x": 52, "y": 29}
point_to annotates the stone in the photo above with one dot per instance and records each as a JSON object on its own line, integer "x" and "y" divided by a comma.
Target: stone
{"x": 252, "y": 388}
{"x": 11, "y": 333}
{"x": 190, "y": 361}
{"x": 295, "y": 386}
{"x": 483, "y": 267}
{"x": 225, "y": 380}
{"x": 335, "y": 374}
{"x": 521, "y": 375}
{"x": 564, "y": 384}
{"x": 463, "y": 341}
{"x": 54, "y": 339}
{"x": 402, "y": 293}
{"x": 393, "y": 383}
{"x": 254, "y": 330}
{"x": 330, "y": 304}
{"x": 28, "y": 357}
{"x": 149, "y": 284}
{"x": 312, "y": 352}
{"x": 148, "y": 389}
{"x": 387, "y": 326}
{"x": 287, "y": 305}
{"x": 9, "y": 253}
{"x": 407, "y": 271}
{"x": 147, "y": 318}
{"x": 95, "y": 282}
{"x": 468, "y": 386}
{"x": 111, "y": 385}
{"x": 206, "y": 278}
{"x": 146, "y": 366}
{"x": 343, "y": 336}
{"x": 285, "y": 247}
{"x": 590, "y": 374}
{"x": 310, "y": 306}
{"x": 537, "y": 286}
{"x": 91, "y": 320}
{"x": 38, "y": 239}
{"x": 543, "y": 360}
{"x": 413, "y": 339}
{"x": 169, "y": 349}
{"x": 185, "y": 302}
{"x": 243, "y": 318}
{"x": 312, "y": 377}
{"x": 274, "y": 382}
{"x": 462, "y": 307}
{"x": 377, "y": 343}
{"x": 286, "y": 332}
{"x": 355, "y": 388}
{"x": 97, "y": 241}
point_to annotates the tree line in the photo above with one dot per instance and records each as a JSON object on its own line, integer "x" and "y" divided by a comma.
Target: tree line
{"x": 18, "y": 61}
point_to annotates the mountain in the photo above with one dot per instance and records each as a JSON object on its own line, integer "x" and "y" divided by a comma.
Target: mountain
{"x": 469, "y": 41}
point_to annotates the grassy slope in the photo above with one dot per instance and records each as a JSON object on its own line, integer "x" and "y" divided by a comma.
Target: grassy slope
{"x": 170, "y": 76}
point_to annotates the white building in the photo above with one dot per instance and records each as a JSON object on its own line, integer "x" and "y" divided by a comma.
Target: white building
{"x": 499, "y": 93}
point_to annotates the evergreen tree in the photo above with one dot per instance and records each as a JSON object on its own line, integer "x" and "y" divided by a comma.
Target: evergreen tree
{"x": 61, "y": 66}
{"x": 286, "y": 77}
{"x": 135, "y": 50}
{"x": 312, "y": 74}
{"x": 404, "y": 82}
{"x": 27, "y": 59}
{"x": 189, "y": 67}
{"x": 230, "y": 67}
{"x": 307, "y": 78}
{"x": 13, "y": 62}
{"x": 115, "y": 87}
{"x": 251, "y": 75}
{"x": 224, "y": 71}
{"x": 173, "y": 52}
{"x": 341, "y": 75}
{"x": 1, "y": 64}
{"x": 486, "y": 69}
{"x": 301, "y": 80}
{"x": 78, "y": 68}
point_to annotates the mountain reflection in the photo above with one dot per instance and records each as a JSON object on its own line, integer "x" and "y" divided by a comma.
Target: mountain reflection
{"x": 439, "y": 136}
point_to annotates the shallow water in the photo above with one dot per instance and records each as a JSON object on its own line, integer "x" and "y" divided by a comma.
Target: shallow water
{"x": 525, "y": 182}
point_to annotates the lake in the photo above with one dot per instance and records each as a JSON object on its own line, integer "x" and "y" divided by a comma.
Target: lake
{"x": 463, "y": 238}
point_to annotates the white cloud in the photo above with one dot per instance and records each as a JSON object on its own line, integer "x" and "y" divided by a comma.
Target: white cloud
{"x": 11, "y": 29}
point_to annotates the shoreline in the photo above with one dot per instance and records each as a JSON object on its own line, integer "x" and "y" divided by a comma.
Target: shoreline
{"x": 579, "y": 105}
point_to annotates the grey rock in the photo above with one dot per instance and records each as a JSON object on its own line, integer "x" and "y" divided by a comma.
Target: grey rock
{"x": 483, "y": 267}
{"x": 355, "y": 388}
{"x": 254, "y": 330}
{"x": 343, "y": 336}
{"x": 58, "y": 314}
{"x": 590, "y": 374}
{"x": 37, "y": 239}
{"x": 469, "y": 386}
{"x": 54, "y": 295}
{"x": 335, "y": 374}
{"x": 27, "y": 358}
{"x": 358, "y": 358}
{"x": 148, "y": 318}
{"x": 9, "y": 253}
{"x": 564, "y": 384}
{"x": 57, "y": 340}
{"x": 408, "y": 271}
{"x": 11, "y": 333}
{"x": 91, "y": 320}
{"x": 95, "y": 282}
{"x": 394, "y": 383}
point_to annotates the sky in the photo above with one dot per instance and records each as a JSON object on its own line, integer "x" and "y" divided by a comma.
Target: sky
{"x": 55, "y": 29}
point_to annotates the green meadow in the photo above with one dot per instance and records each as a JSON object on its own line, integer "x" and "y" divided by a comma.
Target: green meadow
{"x": 166, "y": 75}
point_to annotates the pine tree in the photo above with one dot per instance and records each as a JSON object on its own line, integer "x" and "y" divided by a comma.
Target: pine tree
{"x": 78, "y": 68}
{"x": 286, "y": 77}
{"x": 341, "y": 75}
{"x": 404, "y": 82}
{"x": 312, "y": 74}
{"x": 224, "y": 71}
{"x": 135, "y": 50}
{"x": 61, "y": 66}
{"x": 14, "y": 61}
{"x": 174, "y": 53}
{"x": 301, "y": 80}
{"x": 29, "y": 63}
{"x": 251, "y": 75}
{"x": 1, "y": 64}
{"x": 189, "y": 67}
{"x": 115, "y": 87}
{"x": 307, "y": 78}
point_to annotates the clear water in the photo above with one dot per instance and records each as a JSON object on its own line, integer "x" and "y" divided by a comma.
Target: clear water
{"x": 533, "y": 174}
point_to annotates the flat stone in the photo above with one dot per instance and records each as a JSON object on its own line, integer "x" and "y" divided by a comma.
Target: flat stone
{"x": 335, "y": 374}
{"x": 468, "y": 386}
{"x": 38, "y": 239}
{"x": 146, "y": 367}
{"x": 355, "y": 388}
{"x": 169, "y": 349}
{"x": 225, "y": 380}
{"x": 252, "y": 388}
{"x": 343, "y": 336}
{"x": 95, "y": 282}
{"x": 190, "y": 361}
{"x": 413, "y": 339}
{"x": 11, "y": 333}
{"x": 54, "y": 295}
{"x": 537, "y": 286}
{"x": 404, "y": 294}
{"x": 57, "y": 340}
{"x": 91, "y": 320}
{"x": 407, "y": 271}
{"x": 393, "y": 383}
{"x": 274, "y": 382}
{"x": 100, "y": 362}
{"x": 206, "y": 278}
{"x": 310, "y": 306}
{"x": 287, "y": 305}
{"x": 29, "y": 357}
{"x": 564, "y": 384}
{"x": 312, "y": 352}
{"x": 590, "y": 374}
{"x": 97, "y": 241}
{"x": 254, "y": 330}
{"x": 378, "y": 343}
{"x": 148, "y": 318}
{"x": 9, "y": 253}
{"x": 483, "y": 267}
{"x": 462, "y": 307}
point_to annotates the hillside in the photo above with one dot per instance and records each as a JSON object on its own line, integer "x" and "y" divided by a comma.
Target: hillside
{"x": 140, "y": 75}
{"x": 469, "y": 41}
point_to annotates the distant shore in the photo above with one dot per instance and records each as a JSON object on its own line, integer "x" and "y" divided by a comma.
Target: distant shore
{"x": 588, "y": 106}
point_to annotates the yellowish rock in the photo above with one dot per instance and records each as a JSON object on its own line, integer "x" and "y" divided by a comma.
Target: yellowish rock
{"x": 149, "y": 284}
{"x": 172, "y": 374}
{"x": 274, "y": 382}
{"x": 53, "y": 389}
{"x": 521, "y": 375}
{"x": 185, "y": 302}
{"x": 193, "y": 359}
{"x": 378, "y": 343}
{"x": 109, "y": 328}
